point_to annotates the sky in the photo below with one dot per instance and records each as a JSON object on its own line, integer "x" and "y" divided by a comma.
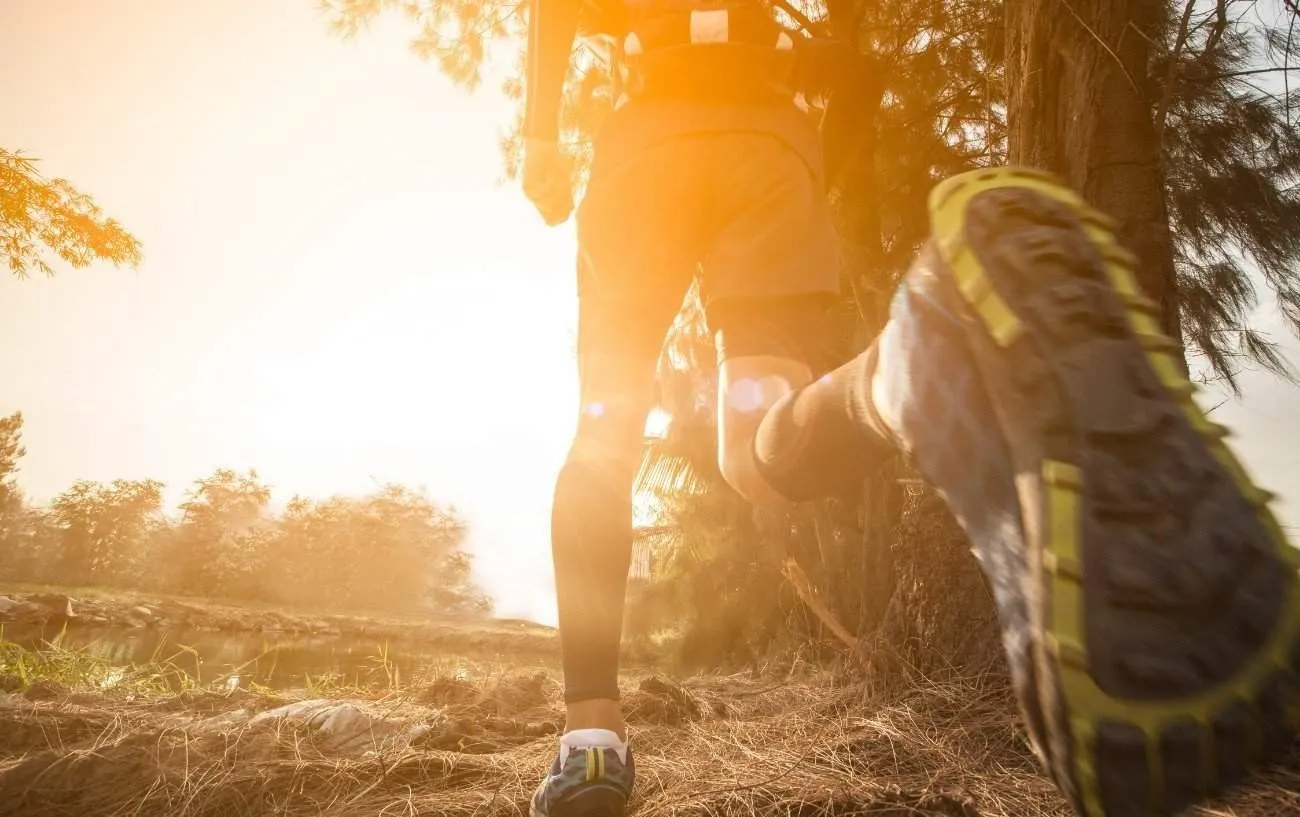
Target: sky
{"x": 338, "y": 290}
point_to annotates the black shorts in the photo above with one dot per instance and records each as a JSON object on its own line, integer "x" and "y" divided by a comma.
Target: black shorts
{"x": 742, "y": 213}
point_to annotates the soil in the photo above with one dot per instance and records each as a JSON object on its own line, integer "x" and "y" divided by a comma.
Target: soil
{"x": 718, "y": 746}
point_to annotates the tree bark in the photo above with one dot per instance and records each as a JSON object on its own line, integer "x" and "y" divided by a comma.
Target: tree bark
{"x": 1080, "y": 104}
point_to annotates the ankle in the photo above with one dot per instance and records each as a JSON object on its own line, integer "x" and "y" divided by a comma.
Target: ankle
{"x": 596, "y": 714}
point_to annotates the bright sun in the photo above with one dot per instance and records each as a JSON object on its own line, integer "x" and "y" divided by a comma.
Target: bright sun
{"x": 451, "y": 369}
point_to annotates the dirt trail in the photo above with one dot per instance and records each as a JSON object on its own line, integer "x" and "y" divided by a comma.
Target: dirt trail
{"x": 725, "y": 747}
{"x": 714, "y": 747}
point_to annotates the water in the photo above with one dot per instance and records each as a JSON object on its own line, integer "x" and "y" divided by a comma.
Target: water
{"x": 274, "y": 660}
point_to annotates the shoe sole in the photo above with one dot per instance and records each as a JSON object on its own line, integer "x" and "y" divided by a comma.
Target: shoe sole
{"x": 590, "y": 801}
{"x": 1164, "y": 590}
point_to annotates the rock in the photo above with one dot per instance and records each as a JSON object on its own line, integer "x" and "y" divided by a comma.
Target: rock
{"x": 338, "y": 726}
{"x": 45, "y": 691}
{"x": 89, "y": 699}
{"x": 141, "y": 611}
{"x": 22, "y": 610}
{"x": 222, "y": 722}
{"x": 12, "y": 700}
{"x": 541, "y": 729}
{"x": 59, "y": 605}
{"x": 661, "y": 702}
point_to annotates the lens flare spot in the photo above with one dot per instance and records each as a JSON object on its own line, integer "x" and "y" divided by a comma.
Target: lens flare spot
{"x": 657, "y": 423}
{"x": 745, "y": 395}
{"x": 756, "y": 394}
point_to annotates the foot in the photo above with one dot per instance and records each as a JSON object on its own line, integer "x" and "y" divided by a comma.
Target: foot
{"x": 1148, "y": 598}
{"x": 591, "y": 777}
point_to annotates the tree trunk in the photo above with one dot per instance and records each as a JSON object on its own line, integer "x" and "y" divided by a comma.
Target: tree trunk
{"x": 1079, "y": 104}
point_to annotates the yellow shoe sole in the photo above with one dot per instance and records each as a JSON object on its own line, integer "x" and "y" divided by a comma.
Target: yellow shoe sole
{"x": 1164, "y": 596}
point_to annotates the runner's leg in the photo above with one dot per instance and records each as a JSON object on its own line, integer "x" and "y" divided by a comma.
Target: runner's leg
{"x": 637, "y": 254}
{"x": 770, "y": 274}
{"x": 591, "y": 523}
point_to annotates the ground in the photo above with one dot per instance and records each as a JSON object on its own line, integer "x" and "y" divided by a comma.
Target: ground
{"x": 54, "y": 607}
{"x": 141, "y": 743}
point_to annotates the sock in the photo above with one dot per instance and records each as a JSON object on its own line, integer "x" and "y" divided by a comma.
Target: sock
{"x": 825, "y": 438}
{"x": 592, "y": 739}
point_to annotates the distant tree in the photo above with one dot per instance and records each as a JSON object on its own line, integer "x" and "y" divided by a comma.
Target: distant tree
{"x": 101, "y": 530}
{"x": 393, "y": 549}
{"x": 11, "y": 446}
{"x": 221, "y": 545}
{"x": 11, "y": 451}
{"x": 39, "y": 216}
{"x": 13, "y": 539}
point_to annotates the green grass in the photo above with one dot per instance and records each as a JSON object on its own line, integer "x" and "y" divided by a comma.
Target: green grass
{"x": 79, "y": 669}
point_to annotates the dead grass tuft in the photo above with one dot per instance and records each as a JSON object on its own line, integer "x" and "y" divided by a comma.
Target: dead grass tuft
{"x": 455, "y": 748}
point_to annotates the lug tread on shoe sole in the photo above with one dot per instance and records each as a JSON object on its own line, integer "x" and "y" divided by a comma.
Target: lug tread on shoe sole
{"x": 592, "y": 801}
{"x": 1167, "y": 592}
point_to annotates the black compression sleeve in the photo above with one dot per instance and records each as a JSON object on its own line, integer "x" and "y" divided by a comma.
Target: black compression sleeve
{"x": 552, "y": 28}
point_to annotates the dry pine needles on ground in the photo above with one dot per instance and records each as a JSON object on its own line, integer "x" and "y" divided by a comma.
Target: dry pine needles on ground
{"x": 718, "y": 746}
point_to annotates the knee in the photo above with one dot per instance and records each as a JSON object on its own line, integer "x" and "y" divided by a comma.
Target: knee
{"x": 591, "y": 513}
{"x": 752, "y": 391}
{"x": 607, "y": 448}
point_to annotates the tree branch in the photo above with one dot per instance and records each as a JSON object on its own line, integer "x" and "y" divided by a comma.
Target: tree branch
{"x": 799, "y": 581}
{"x": 1180, "y": 42}
{"x": 1220, "y": 26}
{"x": 1286, "y": 68}
{"x": 1277, "y": 69}
{"x": 799, "y": 17}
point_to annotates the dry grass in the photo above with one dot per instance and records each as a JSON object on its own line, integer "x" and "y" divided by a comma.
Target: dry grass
{"x": 717, "y": 746}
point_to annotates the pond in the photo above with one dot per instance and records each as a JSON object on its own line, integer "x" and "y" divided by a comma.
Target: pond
{"x": 274, "y": 660}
